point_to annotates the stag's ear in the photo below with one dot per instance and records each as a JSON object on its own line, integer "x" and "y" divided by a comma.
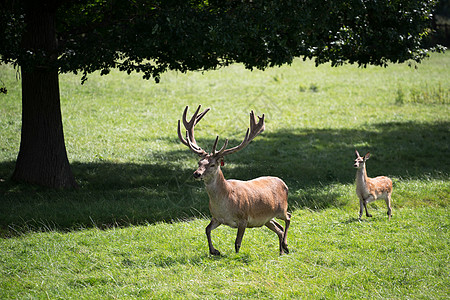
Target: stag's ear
{"x": 367, "y": 156}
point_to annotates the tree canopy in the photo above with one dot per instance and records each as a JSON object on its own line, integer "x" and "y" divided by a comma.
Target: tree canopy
{"x": 48, "y": 37}
{"x": 153, "y": 36}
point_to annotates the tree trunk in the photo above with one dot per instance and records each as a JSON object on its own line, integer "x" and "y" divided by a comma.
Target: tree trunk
{"x": 42, "y": 156}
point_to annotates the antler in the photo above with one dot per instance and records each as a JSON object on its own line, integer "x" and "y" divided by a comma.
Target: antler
{"x": 189, "y": 126}
{"x": 252, "y": 132}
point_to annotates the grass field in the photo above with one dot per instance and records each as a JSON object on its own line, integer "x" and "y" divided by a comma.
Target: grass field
{"x": 135, "y": 227}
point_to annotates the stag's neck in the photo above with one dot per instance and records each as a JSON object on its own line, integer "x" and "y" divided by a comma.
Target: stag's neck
{"x": 361, "y": 177}
{"x": 216, "y": 184}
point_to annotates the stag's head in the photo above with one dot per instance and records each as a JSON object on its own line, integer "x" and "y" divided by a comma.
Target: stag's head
{"x": 209, "y": 164}
{"x": 207, "y": 167}
{"x": 360, "y": 161}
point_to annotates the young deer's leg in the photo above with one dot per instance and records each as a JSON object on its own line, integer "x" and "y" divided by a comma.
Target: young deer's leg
{"x": 388, "y": 203}
{"x": 240, "y": 234}
{"x": 366, "y": 201}
{"x": 361, "y": 208}
{"x": 287, "y": 222}
{"x": 278, "y": 229}
{"x": 212, "y": 225}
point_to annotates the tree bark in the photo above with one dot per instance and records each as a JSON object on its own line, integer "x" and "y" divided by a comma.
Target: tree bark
{"x": 42, "y": 157}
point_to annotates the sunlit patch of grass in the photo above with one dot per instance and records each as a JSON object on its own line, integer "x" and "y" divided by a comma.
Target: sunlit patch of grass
{"x": 333, "y": 255}
{"x": 135, "y": 227}
{"x": 424, "y": 95}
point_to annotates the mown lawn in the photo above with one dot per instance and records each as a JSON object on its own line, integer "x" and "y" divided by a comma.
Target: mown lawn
{"x": 332, "y": 256}
{"x": 135, "y": 227}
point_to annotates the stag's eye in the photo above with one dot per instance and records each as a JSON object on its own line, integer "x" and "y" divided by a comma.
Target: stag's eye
{"x": 212, "y": 165}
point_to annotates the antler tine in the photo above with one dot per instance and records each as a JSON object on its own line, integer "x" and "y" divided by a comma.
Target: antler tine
{"x": 256, "y": 128}
{"x": 200, "y": 116}
{"x": 190, "y": 123}
{"x": 194, "y": 147}
{"x": 180, "y": 136}
{"x": 252, "y": 132}
{"x": 217, "y": 153}
{"x": 215, "y": 145}
{"x": 189, "y": 126}
{"x": 194, "y": 120}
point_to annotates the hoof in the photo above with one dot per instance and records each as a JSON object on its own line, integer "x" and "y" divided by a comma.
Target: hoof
{"x": 214, "y": 252}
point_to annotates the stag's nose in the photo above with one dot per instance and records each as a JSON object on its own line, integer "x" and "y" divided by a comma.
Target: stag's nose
{"x": 197, "y": 175}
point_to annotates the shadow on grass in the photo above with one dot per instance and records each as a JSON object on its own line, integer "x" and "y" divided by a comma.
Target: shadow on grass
{"x": 354, "y": 220}
{"x": 308, "y": 160}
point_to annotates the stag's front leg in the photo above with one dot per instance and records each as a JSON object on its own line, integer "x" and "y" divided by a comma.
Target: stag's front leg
{"x": 212, "y": 225}
{"x": 240, "y": 234}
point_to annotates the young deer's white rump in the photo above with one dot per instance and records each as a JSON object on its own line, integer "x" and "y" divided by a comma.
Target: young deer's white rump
{"x": 238, "y": 204}
{"x": 370, "y": 189}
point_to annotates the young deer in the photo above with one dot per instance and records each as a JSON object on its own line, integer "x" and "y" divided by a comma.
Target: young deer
{"x": 371, "y": 189}
{"x": 238, "y": 204}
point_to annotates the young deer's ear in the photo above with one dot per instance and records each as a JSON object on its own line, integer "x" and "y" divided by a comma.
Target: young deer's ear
{"x": 356, "y": 153}
{"x": 367, "y": 156}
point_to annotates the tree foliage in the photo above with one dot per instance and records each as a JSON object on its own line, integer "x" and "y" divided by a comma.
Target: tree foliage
{"x": 153, "y": 36}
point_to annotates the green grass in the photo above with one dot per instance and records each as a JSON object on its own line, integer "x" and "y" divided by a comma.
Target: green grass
{"x": 332, "y": 256}
{"x": 135, "y": 227}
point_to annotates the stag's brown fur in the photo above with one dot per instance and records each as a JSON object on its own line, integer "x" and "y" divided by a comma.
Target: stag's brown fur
{"x": 256, "y": 201}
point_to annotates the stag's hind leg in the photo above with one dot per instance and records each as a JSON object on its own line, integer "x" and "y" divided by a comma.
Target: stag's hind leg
{"x": 287, "y": 222}
{"x": 282, "y": 233}
{"x": 278, "y": 229}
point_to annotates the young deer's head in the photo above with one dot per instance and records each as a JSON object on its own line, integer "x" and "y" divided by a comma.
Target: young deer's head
{"x": 209, "y": 164}
{"x": 360, "y": 161}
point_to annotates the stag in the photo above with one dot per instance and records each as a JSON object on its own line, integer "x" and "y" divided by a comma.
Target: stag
{"x": 238, "y": 204}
